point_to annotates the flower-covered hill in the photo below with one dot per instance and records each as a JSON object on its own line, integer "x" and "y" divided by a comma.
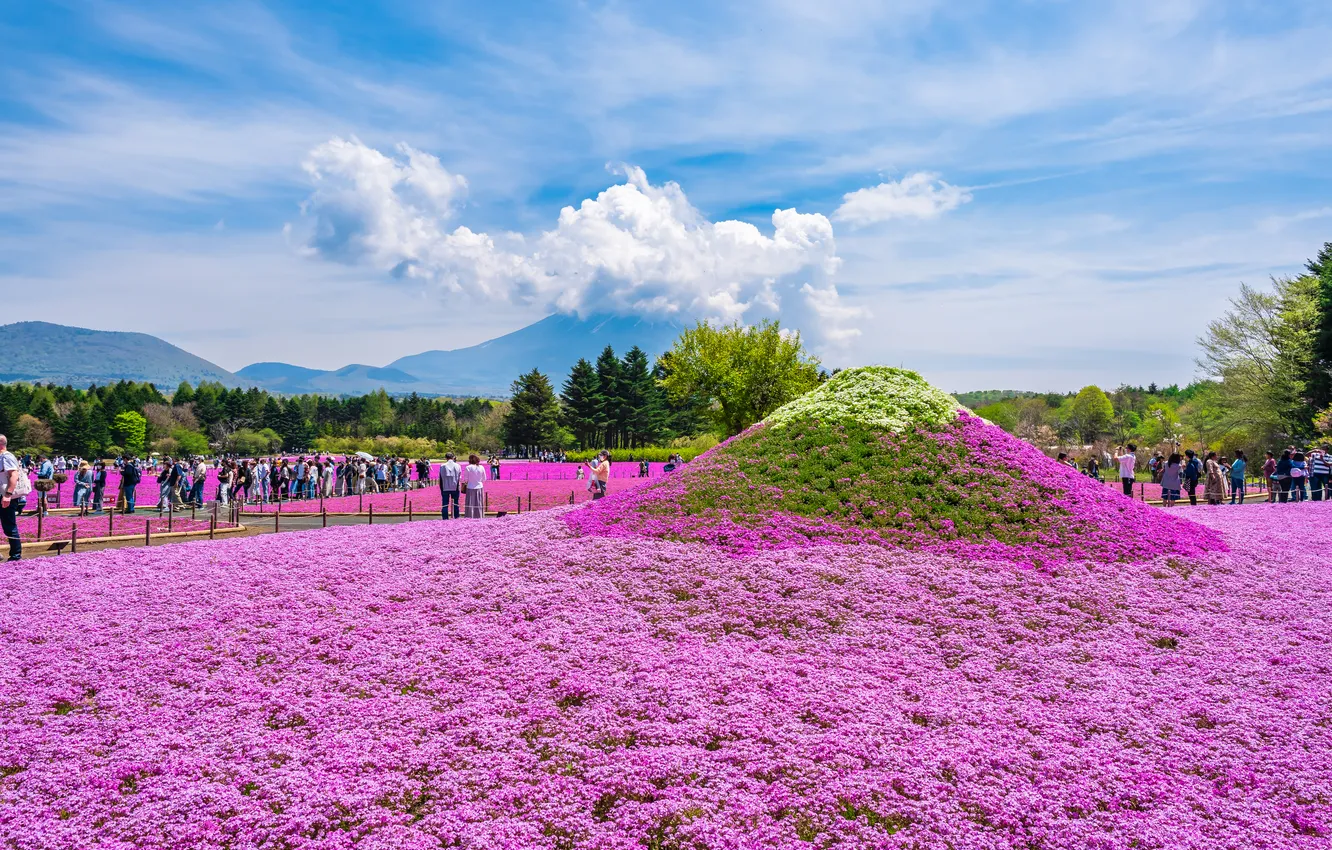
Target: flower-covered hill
{"x": 507, "y": 684}
{"x": 877, "y": 455}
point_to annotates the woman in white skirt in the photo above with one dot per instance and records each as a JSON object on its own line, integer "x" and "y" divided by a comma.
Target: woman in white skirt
{"x": 474, "y": 474}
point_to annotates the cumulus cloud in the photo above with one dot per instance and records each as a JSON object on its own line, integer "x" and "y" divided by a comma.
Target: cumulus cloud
{"x": 921, "y": 195}
{"x": 636, "y": 248}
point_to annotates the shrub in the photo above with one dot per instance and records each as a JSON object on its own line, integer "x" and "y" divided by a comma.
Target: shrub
{"x": 651, "y": 454}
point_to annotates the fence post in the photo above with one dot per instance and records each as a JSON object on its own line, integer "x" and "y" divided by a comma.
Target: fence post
{"x": 40, "y": 514}
{"x": 212, "y": 526}
{"x": 111, "y": 522}
{"x": 371, "y": 521}
{"x": 323, "y": 514}
{"x": 409, "y": 511}
{"x": 529, "y": 501}
{"x": 571, "y": 494}
{"x": 360, "y": 503}
{"x": 147, "y": 532}
{"x": 73, "y": 538}
{"x": 171, "y": 512}
{"x": 277, "y": 520}
{"x": 1142, "y": 492}
{"x": 404, "y": 500}
{"x": 520, "y": 504}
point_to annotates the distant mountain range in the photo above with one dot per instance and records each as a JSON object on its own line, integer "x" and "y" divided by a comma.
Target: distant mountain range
{"x": 65, "y": 355}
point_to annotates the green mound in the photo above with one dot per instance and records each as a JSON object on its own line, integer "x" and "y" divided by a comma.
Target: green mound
{"x": 874, "y": 396}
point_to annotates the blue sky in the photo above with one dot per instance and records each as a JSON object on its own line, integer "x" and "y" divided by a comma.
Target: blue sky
{"x": 1050, "y": 193}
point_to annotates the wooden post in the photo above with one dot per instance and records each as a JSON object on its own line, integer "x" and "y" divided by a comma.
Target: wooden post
{"x": 409, "y": 511}
{"x": 147, "y": 532}
{"x": 321, "y": 500}
{"x": 324, "y": 517}
{"x": 111, "y": 522}
{"x": 277, "y": 520}
{"x": 1142, "y": 492}
{"x": 191, "y": 512}
{"x": 520, "y": 504}
{"x": 212, "y": 526}
{"x": 404, "y": 500}
{"x": 360, "y": 503}
{"x": 40, "y": 513}
{"x": 73, "y": 538}
{"x": 571, "y": 497}
{"x": 485, "y": 501}
{"x": 372, "y": 514}
{"x": 171, "y": 512}
{"x": 529, "y": 501}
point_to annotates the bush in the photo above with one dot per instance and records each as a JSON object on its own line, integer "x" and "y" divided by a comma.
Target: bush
{"x": 190, "y": 442}
{"x": 651, "y": 454}
{"x": 385, "y": 446}
{"x": 248, "y": 443}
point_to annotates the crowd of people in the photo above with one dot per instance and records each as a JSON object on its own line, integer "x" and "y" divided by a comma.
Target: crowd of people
{"x": 1296, "y": 476}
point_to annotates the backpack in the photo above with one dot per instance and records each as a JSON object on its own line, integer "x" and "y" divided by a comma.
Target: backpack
{"x": 22, "y": 488}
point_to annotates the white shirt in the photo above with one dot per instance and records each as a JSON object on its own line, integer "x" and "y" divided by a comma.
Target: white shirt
{"x": 7, "y": 462}
{"x": 1127, "y": 464}
{"x": 475, "y": 475}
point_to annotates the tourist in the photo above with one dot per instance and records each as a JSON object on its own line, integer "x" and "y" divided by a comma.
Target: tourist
{"x": 1128, "y": 463}
{"x": 129, "y": 481}
{"x": 1094, "y": 468}
{"x": 474, "y": 476}
{"x": 1299, "y": 474}
{"x": 82, "y": 484}
{"x": 1237, "y": 473}
{"x": 14, "y": 488}
{"x": 450, "y": 479}
{"x": 1320, "y": 474}
{"x": 200, "y": 479}
{"x": 1215, "y": 488}
{"x": 1281, "y": 477}
{"x": 1171, "y": 477}
{"x": 600, "y": 474}
{"x": 261, "y": 481}
{"x": 1193, "y": 473}
{"x": 494, "y": 467}
{"x": 1154, "y": 465}
{"x": 99, "y": 486}
{"x": 1269, "y": 476}
{"x": 224, "y": 484}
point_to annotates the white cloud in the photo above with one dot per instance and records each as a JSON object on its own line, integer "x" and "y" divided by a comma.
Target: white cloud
{"x": 921, "y": 195}
{"x": 636, "y": 248}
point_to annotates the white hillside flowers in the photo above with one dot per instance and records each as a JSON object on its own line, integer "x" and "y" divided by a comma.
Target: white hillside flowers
{"x": 880, "y": 396}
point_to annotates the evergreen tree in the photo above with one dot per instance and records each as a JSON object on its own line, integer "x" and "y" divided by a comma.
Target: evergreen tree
{"x": 643, "y": 411}
{"x": 1320, "y": 378}
{"x": 73, "y": 432}
{"x": 184, "y": 394}
{"x": 534, "y": 413}
{"x": 610, "y": 412}
{"x": 581, "y": 402}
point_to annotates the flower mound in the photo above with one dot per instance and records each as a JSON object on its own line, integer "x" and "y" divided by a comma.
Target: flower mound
{"x": 504, "y": 684}
{"x": 813, "y": 473}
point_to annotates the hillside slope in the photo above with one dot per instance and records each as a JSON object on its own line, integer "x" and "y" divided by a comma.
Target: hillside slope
{"x": 42, "y": 351}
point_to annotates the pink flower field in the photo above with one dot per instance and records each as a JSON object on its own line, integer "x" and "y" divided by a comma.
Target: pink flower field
{"x": 61, "y": 526}
{"x": 507, "y": 684}
{"x": 503, "y": 496}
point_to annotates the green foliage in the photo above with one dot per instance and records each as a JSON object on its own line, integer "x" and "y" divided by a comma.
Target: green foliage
{"x": 1320, "y": 373}
{"x": 581, "y": 402}
{"x": 741, "y": 373}
{"x": 651, "y": 454}
{"x": 184, "y": 394}
{"x": 887, "y": 398}
{"x": 534, "y": 414}
{"x": 190, "y": 442}
{"x": 1090, "y": 413}
{"x": 130, "y": 430}
{"x": 249, "y": 443}
{"x": 1002, "y": 415}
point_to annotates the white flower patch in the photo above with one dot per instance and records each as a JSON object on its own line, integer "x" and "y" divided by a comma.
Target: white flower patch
{"x": 879, "y": 396}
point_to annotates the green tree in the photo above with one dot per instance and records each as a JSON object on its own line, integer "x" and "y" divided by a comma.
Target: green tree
{"x": 643, "y": 407}
{"x": 581, "y": 403}
{"x": 741, "y": 373}
{"x": 74, "y": 433}
{"x": 610, "y": 407}
{"x": 534, "y": 414}
{"x": 1261, "y": 351}
{"x": 1320, "y": 373}
{"x": 1090, "y": 413}
{"x": 189, "y": 442}
{"x": 130, "y": 430}
{"x": 184, "y": 394}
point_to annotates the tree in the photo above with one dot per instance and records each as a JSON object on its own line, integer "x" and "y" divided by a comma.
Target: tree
{"x": 643, "y": 408}
{"x": 184, "y": 394}
{"x": 534, "y": 414}
{"x": 1320, "y": 373}
{"x": 742, "y": 373}
{"x": 581, "y": 401}
{"x": 190, "y": 442}
{"x": 1090, "y": 413}
{"x": 610, "y": 403}
{"x": 74, "y": 432}
{"x": 1261, "y": 352}
{"x": 130, "y": 430}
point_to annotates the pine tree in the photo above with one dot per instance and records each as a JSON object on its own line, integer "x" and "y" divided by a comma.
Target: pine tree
{"x": 534, "y": 413}
{"x": 73, "y": 431}
{"x": 610, "y": 415}
{"x": 581, "y": 399}
{"x": 1320, "y": 379}
{"x": 184, "y": 394}
{"x": 644, "y": 411}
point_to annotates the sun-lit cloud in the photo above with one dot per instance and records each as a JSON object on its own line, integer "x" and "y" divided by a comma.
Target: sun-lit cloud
{"x": 921, "y": 196}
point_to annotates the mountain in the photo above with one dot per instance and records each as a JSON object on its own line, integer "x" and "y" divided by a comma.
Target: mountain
{"x": 552, "y": 345}
{"x": 356, "y": 379}
{"x": 41, "y": 351}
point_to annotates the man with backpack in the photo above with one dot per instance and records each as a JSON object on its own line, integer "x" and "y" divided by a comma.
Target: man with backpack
{"x": 129, "y": 481}
{"x": 14, "y": 489}
{"x": 1193, "y": 470}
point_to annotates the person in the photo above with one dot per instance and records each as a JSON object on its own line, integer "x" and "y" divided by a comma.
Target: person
{"x": 1269, "y": 476}
{"x": 450, "y": 479}
{"x": 1320, "y": 474}
{"x": 642, "y": 469}
{"x": 1193, "y": 472}
{"x": 1237, "y": 472}
{"x": 1215, "y": 488}
{"x": 200, "y": 479}
{"x": 82, "y": 484}
{"x": 129, "y": 481}
{"x": 579, "y": 474}
{"x": 600, "y": 474}
{"x": 14, "y": 487}
{"x": 474, "y": 476}
{"x": 1128, "y": 463}
{"x": 494, "y": 467}
{"x": 1093, "y": 468}
{"x": 224, "y": 484}
{"x": 1281, "y": 478}
{"x": 99, "y": 486}
{"x": 1299, "y": 474}
{"x": 1171, "y": 478}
